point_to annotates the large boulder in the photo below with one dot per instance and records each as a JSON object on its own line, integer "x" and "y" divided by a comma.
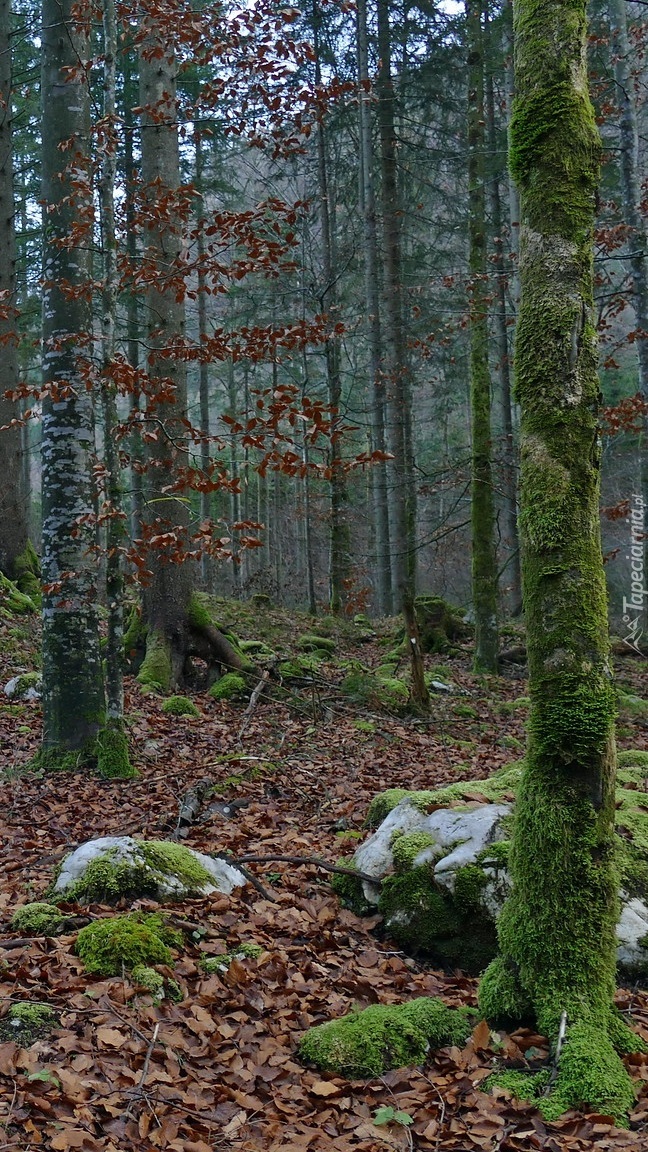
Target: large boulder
{"x": 439, "y": 861}
{"x": 112, "y": 867}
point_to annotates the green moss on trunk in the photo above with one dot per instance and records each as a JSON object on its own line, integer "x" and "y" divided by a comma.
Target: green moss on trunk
{"x": 557, "y": 932}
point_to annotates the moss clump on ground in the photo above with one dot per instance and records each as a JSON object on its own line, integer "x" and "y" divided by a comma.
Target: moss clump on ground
{"x": 38, "y": 918}
{"x": 113, "y": 759}
{"x": 312, "y": 643}
{"x": 231, "y": 686}
{"x": 149, "y": 979}
{"x": 382, "y": 1037}
{"x": 634, "y": 758}
{"x": 108, "y": 878}
{"x": 27, "y": 1021}
{"x": 27, "y": 571}
{"x": 218, "y": 964}
{"x": 179, "y": 706}
{"x": 376, "y": 692}
{"x": 107, "y": 947}
{"x": 13, "y": 600}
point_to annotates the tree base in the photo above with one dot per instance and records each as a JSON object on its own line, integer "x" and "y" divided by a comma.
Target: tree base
{"x": 113, "y": 760}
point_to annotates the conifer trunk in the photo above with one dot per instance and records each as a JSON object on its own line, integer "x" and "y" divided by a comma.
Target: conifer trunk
{"x": 72, "y": 682}
{"x": 557, "y": 931}
{"x": 484, "y": 559}
{"x": 14, "y": 533}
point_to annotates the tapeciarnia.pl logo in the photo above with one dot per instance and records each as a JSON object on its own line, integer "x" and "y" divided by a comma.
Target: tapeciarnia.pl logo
{"x": 634, "y": 605}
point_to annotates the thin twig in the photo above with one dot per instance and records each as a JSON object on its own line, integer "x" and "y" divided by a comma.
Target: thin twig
{"x": 246, "y": 872}
{"x": 254, "y": 700}
{"x": 137, "y": 1091}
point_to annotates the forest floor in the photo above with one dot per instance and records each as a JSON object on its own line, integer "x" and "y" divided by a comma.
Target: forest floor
{"x": 218, "y": 1070}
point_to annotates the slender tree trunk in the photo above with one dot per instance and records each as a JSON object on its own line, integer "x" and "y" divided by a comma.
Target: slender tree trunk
{"x": 339, "y": 536}
{"x": 72, "y": 682}
{"x": 113, "y": 759}
{"x": 166, "y": 515}
{"x": 637, "y": 237}
{"x": 557, "y": 931}
{"x": 132, "y": 302}
{"x": 14, "y": 528}
{"x": 205, "y": 456}
{"x": 384, "y": 599}
{"x": 402, "y": 503}
{"x": 510, "y": 463}
{"x": 235, "y": 495}
{"x": 484, "y": 556}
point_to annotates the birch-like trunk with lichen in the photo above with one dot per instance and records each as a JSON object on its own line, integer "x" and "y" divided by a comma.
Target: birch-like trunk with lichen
{"x": 72, "y": 680}
{"x": 557, "y": 931}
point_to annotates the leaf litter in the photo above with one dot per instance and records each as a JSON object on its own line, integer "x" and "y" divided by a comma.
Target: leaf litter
{"x": 217, "y": 1069}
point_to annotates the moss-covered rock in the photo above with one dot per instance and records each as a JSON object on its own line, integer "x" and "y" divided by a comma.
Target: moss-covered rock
{"x": 108, "y": 947}
{"x": 27, "y": 571}
{"x": 39, "y": 919}
{"x": 119, "y": 867}
{"x": 382, "y": 1037}
{"x": 26, "y": 686}
{"x": 231, "y": 686}
{"x": 15, "y": 602}
{"x": 180, "y": 706}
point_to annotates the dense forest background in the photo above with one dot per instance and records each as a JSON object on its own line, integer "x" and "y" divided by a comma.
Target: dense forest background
{"x": 322, "y": 215}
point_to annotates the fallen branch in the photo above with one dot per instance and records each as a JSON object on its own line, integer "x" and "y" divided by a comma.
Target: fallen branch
{"x": 307, "y": 860}
{"x": 138, "y": 1091}
{"x": 246, "y": 872}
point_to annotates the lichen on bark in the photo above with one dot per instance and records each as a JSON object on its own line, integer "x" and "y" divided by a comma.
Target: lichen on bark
{"x": 557, "y": 931}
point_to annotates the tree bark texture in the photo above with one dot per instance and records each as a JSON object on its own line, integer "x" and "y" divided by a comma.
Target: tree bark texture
{"x": 72, "y": 681}
{"x": 165, "y": 514}
{"x": 557, "y": 931}
{"x": 379, "y": 487}
{"x": 484, "y": 555}
{"x": 14, "y": 492}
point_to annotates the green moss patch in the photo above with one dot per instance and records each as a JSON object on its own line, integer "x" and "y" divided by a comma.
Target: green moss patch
{"x": 108, "y": 947}
{"x": 313, "y": 643}
{"x": 231, "y": 686}
{"x": 180, "y": 706}
{"x": 38, "y": 919}
{"x": 382, "y": 1037}
{"x": 377, "y": 693}
{"x": 494, "y": 789}
{"x": 220, "y": 964}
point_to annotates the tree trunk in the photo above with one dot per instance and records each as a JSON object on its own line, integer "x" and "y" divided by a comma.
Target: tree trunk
{"x": 176, "y": 624}
{"x": 402, "y": 501}
{"x": 509, "y": 464}
{"x": 113, "y": 759}
{"x": 384, "y": 599}
{"x": 14, "y": 527}
{"x": 203, "y": 387}
{"x": 557, "y": 931}
{"x": 484, "y": 557}
{"x": 132, "y": 302}
{"x": 72, "y": 682}
{"x": 339, "y": 536}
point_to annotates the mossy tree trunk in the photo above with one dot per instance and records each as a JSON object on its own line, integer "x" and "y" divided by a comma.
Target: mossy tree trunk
{"x": 484, "y": 558}
{"x": 557, "y": 931}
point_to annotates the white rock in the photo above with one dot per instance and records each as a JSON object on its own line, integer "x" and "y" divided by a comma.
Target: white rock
{"x": 632, "y": 927}
{"x": 31, "y": 693}
{"x": 374, "y": 857}
{"x": 124, "y": 849}
{"x": 439, "y": 686}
